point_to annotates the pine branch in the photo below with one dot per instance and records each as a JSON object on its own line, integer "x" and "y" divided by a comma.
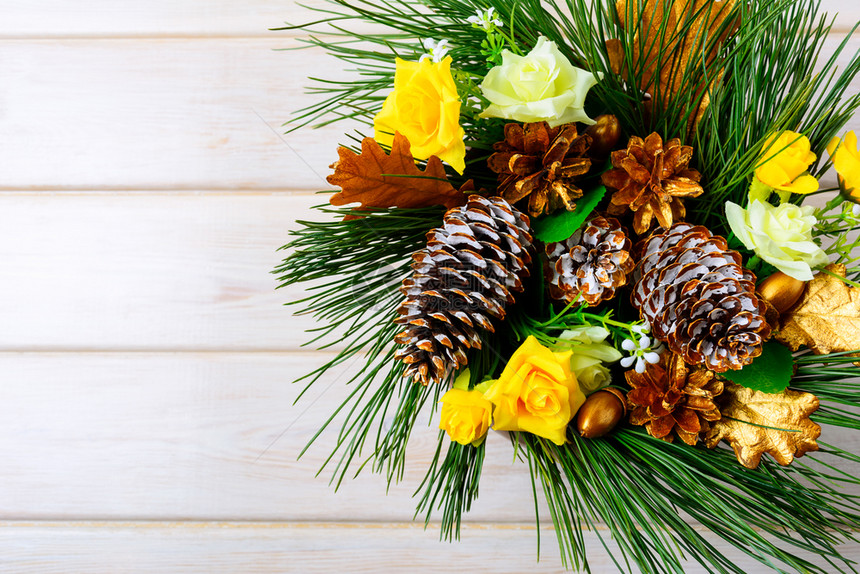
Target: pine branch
{"x": 835, "y": 380}
{"x": 355, "y": 268}
{"x": 771, "y": 86}
{"x": 451, "y": 486}
{"x": 641, "y": 488}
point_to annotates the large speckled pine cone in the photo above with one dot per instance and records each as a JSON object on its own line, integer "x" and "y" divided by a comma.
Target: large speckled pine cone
{"x": 592, "y": 263}
{"x": 698, "y": 299}
{"x": 460, "y": 283}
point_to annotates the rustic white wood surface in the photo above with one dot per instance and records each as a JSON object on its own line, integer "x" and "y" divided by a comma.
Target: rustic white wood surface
{"x": 319, "y": 548}
{"x": 194, "y": 18}
{"x": 146, "y": 416}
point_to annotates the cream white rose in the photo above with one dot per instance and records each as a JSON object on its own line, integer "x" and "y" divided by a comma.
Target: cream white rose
{"x": 541, "y": 86}
{"x": 590, "y": 353}
{"x": 782, "y": 236}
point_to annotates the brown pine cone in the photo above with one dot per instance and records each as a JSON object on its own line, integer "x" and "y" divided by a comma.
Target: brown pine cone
{"x": 460, "y": 283}
{"x": 669, "y": 397}
{"x": 698, "y": 299}
{"x": 650, "y": 179}
{"x": 592, "y": 263}
{"x": 541, "y": 163}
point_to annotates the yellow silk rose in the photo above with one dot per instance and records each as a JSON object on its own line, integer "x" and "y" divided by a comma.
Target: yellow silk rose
{"x": 782, "y": 236}
{"x": 846, "y": 160}
{"x": 537, "y": 393}
{"x": 540, "y": 86}
{"x": 466, "y": 414}
{"x": 425, "y": 108}
{"x": 783, "y": 166}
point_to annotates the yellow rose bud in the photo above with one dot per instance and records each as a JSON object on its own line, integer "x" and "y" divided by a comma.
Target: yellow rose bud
{"x": 540, "y": 86}
{"x": 784, "y": 164}
{"x": 425, "y": 108}
{"x": 466, "y": 416}
{"x": 846, "y": 160}
{"x": 537, "y": 393}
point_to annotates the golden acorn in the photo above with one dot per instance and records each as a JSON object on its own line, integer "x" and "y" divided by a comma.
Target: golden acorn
{"x": 605, "y": 134}
{"x": 600, "y": 413}
{"x": 781, "y": 291}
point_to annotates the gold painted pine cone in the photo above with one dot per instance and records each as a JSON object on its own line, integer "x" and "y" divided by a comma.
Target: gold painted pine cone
{"x": 592, "y": 263}
{"x": 462, "y": 281}
{"x": 670, "y": 398}
{"x": 650, "y": 179}
{"x": 698, "y": 299}
{"x": 541, "y": 164}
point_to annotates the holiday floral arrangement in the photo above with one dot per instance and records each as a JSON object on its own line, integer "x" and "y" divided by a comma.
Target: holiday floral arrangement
{"x": 601, "y": 227}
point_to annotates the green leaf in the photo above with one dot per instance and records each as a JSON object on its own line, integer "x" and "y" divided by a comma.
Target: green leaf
{"x": 771, "y": 372}
{"x": 560, "y": 226}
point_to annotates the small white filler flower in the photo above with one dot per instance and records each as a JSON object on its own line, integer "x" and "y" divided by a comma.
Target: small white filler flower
{"x": 436, "y": 51}
{"x": 486, "y": 19}
{"x": 640, "y": 353}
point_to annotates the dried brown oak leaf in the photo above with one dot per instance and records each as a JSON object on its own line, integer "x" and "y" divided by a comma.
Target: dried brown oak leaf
{"x": 827, "y": 317}
{"x": 754, "y": 423}
{"x": 377, "y": 179}
{"x": 677, "y": 31}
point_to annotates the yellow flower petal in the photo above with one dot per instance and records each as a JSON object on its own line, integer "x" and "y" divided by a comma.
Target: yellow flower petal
{"x": 846, "y": 160}
{"x": 803, "y": 185}
{"x": 466, "y": 416}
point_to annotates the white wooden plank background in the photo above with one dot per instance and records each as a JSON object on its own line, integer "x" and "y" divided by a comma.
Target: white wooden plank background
{"x": 165, "y": 114}
{"x": 149, "y": 271}
{"x": 146, "y": 416}
{"x": 194, "y": 18}
{"x": 210, "y": 548}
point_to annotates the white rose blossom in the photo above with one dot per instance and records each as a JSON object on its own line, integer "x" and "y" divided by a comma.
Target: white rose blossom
{"x": 540, "y": 86}
{"x": 590, "y": 353}
{"x": 782, "y": 236}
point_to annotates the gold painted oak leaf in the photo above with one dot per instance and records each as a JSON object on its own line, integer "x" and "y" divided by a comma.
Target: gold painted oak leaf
{"x": 755, "y": 423}
{"x": 826, "y": 318}
{"x": 377, "y": 179}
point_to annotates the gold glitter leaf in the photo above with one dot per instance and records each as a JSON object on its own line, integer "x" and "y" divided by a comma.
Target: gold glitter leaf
{"x": 754, "y": 423}
{"x": 827, "y": 317}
